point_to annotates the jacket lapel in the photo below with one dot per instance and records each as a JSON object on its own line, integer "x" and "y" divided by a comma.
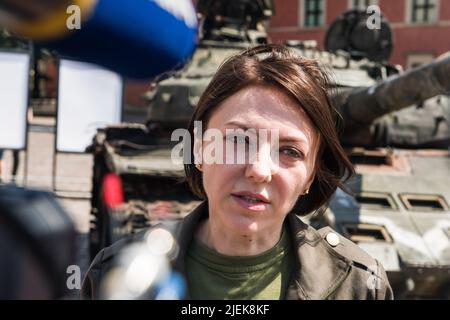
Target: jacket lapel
{"x": 184, "y": 234}
{"x": 320, "y": 270}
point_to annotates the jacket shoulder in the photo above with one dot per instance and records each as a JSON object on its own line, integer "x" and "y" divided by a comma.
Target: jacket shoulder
{"x": 346, "y": 248}
{"x": 367, "y": 267}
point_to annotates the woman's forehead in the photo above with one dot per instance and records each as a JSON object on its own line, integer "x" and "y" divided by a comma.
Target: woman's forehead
{"x": 263, "y": 107}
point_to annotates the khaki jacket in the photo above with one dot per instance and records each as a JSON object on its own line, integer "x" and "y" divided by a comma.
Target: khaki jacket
{"x": 329, "y": 266}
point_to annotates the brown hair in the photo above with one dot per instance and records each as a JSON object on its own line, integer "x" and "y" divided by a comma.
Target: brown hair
{"x": 300, "y": 78}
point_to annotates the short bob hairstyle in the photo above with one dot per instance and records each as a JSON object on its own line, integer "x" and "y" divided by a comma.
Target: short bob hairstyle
{"x": 300, "y": 78}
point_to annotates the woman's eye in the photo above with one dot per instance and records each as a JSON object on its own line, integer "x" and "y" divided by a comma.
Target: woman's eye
{"x": 293, "y": 153}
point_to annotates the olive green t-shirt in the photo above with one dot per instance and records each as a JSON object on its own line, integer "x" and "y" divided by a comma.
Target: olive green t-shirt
{"x": 211, "y": 275}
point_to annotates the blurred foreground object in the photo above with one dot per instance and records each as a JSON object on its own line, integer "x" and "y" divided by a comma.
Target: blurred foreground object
{"x": 137, "y": 39}
{"x": 142, "y": 270}
{"x": 37, "y": 245}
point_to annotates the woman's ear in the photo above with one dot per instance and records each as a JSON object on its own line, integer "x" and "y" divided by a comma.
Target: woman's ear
{"x": 308, "y": 185}
{"x": 309, "y": 182}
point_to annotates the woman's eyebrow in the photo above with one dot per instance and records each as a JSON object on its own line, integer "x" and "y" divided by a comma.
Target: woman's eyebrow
{"x": 284, "y": 139}
{"x": 295, "y": 139}
{"x": 237, "y": 124}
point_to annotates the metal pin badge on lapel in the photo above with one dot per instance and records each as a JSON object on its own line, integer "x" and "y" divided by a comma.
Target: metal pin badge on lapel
{"x": 333, "y": 239}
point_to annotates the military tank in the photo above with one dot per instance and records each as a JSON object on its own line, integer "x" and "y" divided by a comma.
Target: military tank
{"x": 395, "y": 130}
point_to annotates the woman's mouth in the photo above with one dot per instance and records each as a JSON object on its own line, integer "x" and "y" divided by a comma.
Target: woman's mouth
{"x": 250, "y": 199}
{"x": 251, "y": 202}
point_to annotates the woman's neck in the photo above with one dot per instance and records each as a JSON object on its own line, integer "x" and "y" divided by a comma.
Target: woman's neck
{"x": 234, "y": 244}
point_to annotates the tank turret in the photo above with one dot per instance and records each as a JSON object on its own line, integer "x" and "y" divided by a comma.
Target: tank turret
{"x": 235, "y": 21}
{"x": 226, "y": 28}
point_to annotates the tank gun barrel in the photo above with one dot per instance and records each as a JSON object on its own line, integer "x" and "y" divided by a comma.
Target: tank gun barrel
{"x": 363, "y": 106}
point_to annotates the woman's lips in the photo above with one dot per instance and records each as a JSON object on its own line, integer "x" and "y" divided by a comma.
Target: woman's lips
{"x": 248, "y": 204}
{"x": 254, "y": 196}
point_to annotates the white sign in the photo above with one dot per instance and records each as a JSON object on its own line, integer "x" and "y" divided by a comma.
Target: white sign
{"x": 89, "y": 98}
{"x": 14, "y": 75}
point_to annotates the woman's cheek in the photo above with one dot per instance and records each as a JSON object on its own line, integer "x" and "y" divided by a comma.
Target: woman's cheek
{"x": 294, "y": 182}
{"x": 207, "y": 177}
{"x": 215, "y": 178}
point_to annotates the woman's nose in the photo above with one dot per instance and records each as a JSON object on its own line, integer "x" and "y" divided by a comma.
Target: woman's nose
{"x": 261, "y": 167}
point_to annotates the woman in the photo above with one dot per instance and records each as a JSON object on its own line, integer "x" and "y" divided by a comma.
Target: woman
{"x": 246, "y": 241}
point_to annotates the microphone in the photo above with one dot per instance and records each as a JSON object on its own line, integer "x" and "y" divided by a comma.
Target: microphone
{"x": 142, "y": 271}
{"x": 138, "y": 39}
{"x": 37, "y": 245}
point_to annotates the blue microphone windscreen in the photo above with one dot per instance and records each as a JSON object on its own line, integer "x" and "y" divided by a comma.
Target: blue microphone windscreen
{"x": 137, "y": 39}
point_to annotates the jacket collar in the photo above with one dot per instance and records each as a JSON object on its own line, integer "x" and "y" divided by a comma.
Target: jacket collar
{"x": 319, "y": 272}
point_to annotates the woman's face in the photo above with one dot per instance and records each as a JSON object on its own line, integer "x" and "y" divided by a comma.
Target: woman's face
{"x": 254, "y": 198}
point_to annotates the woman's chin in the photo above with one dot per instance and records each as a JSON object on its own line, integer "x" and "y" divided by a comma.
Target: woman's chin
{"x": 244, "y": 225}
{"x": 242, "y": 221}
